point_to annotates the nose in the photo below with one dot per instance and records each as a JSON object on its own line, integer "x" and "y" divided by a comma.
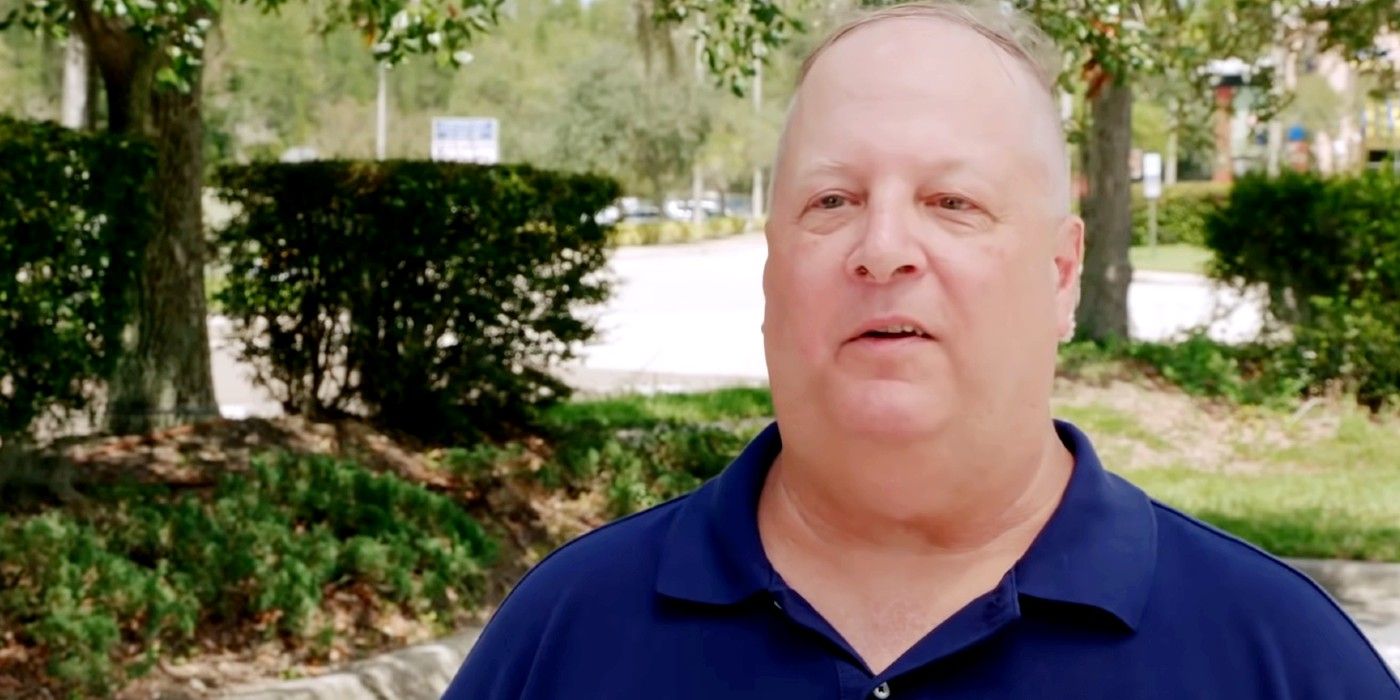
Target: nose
{"x": 888, "y": 248}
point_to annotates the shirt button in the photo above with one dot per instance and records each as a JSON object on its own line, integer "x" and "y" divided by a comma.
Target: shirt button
{"x": 881, "y": 691}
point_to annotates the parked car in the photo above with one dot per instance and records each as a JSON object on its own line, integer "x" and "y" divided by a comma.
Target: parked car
{"x": 629, "y": 209}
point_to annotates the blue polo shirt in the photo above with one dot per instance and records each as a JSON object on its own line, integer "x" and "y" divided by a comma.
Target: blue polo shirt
{"x": 1118, "y": 597}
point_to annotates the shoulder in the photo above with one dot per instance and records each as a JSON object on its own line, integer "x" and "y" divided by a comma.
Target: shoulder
{"x": 1240, "y": 573}
{"x": 578, "y": 590}
{"x": 618, "y": 557}
{"x": 1265, "y": 608}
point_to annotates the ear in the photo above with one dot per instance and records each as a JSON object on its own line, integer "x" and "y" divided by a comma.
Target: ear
{"x": 1069, "y": 264}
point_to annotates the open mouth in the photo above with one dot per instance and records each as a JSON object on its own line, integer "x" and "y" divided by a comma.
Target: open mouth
{"x": 895, "y": 332}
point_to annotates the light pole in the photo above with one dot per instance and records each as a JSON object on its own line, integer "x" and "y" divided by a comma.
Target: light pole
{"x": 381, "y": 131}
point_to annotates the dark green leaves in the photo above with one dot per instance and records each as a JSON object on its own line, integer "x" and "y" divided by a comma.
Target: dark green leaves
{"x": 73, "y": 219}
{"x": 435, "y": 296}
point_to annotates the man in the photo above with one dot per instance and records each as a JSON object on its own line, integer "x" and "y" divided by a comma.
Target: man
{"x": 915, "y": 524}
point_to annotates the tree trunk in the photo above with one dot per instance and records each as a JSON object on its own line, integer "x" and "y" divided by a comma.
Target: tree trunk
{"x": 164, "y": 376}
{"x": 1108, "y": 220}
{"x": 74, "y": 109}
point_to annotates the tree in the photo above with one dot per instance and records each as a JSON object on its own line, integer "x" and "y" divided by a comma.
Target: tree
{"x": 1109, "y": 46}
{"x": 151, "y": 59}
{"x": 645, "y": 133}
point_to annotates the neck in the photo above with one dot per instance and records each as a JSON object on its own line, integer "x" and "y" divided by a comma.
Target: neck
{"x": 931, "y": 501}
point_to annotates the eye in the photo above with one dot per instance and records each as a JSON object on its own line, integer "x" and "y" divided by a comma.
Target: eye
{"x": 952, "y": 202}
{"x": 829, "y": 201}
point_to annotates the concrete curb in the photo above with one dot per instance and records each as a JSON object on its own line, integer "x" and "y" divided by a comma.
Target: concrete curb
{"x": 1366, "y": 589}
{"x": 417, "y": 672}
{"x": 1370, "y": 592}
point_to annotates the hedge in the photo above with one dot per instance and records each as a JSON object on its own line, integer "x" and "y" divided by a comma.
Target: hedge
{"x": 631, "y": 233}
{"x": 431, "y": 297}
{"x": 1328, "y": 251}
{"x": 73, "y": 220}
{"x": 1181, "y": 212}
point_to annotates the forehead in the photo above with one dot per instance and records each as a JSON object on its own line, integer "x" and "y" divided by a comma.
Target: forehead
{"x": 918, "y": 84}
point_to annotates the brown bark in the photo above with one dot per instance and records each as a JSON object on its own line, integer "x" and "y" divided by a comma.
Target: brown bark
{"x": 164, "y": 375}
{"x": 1106, "y": 207}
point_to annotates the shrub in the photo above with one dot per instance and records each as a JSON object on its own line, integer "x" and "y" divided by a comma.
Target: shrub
{"x": 431, "y": 296}
{"x": 73, "y": 218}
{"x": 143, "y": 568}
{"x": 663, "y": 232}
{"x": 1181, "y": 212}
{"x": 1328, "y": 251}
{"x": 1255, "y": 373}
{"x": 645, "y": 450}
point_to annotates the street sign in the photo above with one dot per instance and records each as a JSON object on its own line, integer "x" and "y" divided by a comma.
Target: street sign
{"x": 1152, "y": 175}
{"x": 467, "y": 139}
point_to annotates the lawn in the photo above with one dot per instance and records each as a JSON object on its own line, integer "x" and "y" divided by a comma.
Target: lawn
{"x": 1322, "y": 481}
{"x": 1171, "y": 258}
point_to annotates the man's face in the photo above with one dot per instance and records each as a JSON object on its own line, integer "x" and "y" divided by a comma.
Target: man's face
{"x": 920, "y": 186}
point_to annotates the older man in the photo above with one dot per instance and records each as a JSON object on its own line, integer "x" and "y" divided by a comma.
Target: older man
{"x": 915, "y": 524}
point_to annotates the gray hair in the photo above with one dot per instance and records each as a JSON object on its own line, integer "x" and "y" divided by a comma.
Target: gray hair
{"x": 1001, "y": 24}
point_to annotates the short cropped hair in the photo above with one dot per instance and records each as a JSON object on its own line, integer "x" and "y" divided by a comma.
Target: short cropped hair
{"x": 1001, "y": 24}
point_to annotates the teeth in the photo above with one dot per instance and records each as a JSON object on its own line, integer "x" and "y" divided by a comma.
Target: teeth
{"x": 899, "y": 329}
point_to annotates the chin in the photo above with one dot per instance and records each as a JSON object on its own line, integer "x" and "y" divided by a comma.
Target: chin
{"x": 891, "y": 409}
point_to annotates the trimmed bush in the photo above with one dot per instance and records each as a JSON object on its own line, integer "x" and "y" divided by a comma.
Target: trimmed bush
{"x": 139, "y": 569}
{"x": 1181, "y": 212}
{"x": 666, "y": 232}
{"x": 73, "y": 221}
{"x": 432, "y": 297}
{"x": 1328, "y": 250}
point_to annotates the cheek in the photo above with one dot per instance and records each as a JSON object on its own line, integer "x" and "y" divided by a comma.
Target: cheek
{"x": 799, "y": 293}
{"x": 995, "y": 290}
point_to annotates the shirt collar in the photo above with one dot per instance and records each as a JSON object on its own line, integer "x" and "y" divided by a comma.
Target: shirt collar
{"x": 713, "y": 553}
{"x": 1098, "y": 549}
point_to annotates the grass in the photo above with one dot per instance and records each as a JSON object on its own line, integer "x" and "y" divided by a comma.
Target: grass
{"x": 1321, "y": 483}
{"x": 636, "y": 409}
{"x": 1171, "y": 258}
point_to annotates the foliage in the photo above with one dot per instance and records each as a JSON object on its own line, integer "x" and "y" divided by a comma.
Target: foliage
{"x": 433, "y": 296}
{"x": 1181, "y": 213}
{"x": 72, "y": 225}
{"x": 142, "y": 568}
{"x": 734, "y": 36}
{"x": 635, "y": 410}
{"x": 645, "y": 132}
{"x": 1240, "y": 374}
{"x": 1359, "y": 29}
{"x": 663, "y": 232}
{"x": 1328, "y": 250}
{"x": 650, "y": 449}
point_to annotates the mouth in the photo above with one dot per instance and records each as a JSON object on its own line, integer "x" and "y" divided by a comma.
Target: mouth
{"x": 887, "y": 332}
